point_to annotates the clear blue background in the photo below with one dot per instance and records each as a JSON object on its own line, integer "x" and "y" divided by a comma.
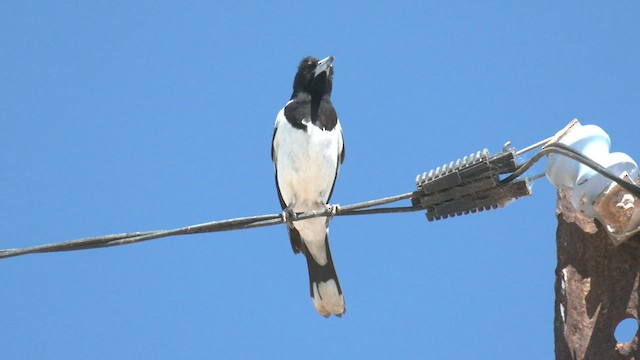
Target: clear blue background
{"x": 119, "y": 117}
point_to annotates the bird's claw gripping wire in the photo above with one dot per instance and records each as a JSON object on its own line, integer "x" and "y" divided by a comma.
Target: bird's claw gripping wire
{"x": 333, "y": 209}
{"x": 289, "y": 216}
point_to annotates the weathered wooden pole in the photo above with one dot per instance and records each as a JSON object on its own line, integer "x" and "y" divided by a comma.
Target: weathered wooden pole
{"x": 596, "y": 288}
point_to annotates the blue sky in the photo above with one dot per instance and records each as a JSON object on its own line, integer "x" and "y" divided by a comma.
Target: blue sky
{"x": 120, "y": 116}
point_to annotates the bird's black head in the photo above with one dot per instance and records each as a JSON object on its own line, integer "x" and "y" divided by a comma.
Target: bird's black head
{"x": 314, "y": 77}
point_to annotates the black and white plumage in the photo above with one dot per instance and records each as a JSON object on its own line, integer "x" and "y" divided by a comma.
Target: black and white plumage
{"x": 307, "y": 152}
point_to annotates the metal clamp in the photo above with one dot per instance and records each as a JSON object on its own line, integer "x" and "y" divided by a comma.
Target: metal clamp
{"x": 469, "y": 185}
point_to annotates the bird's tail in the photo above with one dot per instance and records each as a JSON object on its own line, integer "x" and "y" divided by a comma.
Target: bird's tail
{"x": 324, "y": 285}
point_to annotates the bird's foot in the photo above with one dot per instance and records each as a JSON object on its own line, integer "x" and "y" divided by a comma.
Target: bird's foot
{"x": 289, "y": 216}
{"x": 334, "y": 210}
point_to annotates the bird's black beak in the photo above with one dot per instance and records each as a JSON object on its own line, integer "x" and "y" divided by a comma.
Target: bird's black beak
{"x": 323, "y": 66}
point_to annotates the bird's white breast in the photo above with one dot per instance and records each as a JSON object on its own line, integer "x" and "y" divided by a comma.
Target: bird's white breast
{"x": 306, "y": 163}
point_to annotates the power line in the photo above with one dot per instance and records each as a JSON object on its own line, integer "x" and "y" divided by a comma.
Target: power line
{"x": 363, "y": 208}
{"x": 459, "y": 192}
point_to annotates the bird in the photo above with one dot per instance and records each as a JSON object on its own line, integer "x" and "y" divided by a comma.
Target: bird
{"x": 307, "y": 152}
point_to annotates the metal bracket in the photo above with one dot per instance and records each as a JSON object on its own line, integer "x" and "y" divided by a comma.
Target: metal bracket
{"x": 469, "y": 185}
